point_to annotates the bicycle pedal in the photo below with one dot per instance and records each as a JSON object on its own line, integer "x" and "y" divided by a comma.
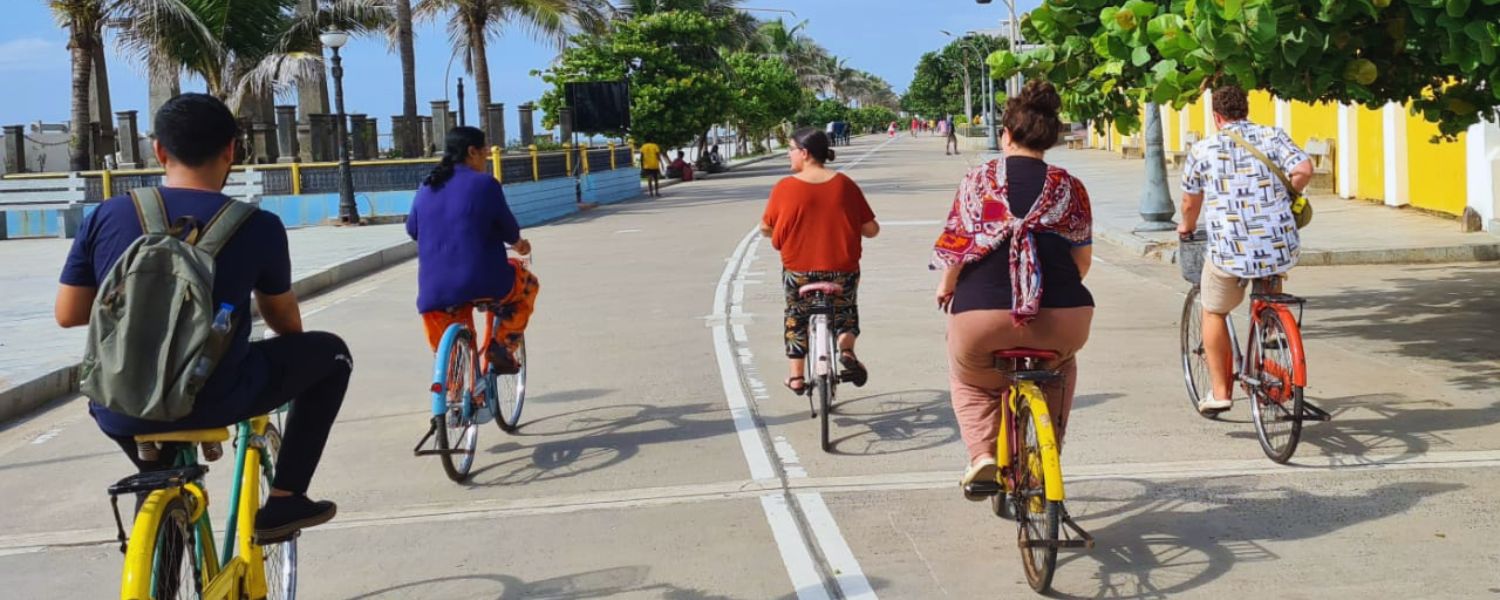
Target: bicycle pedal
{"x": 982, "y": 489}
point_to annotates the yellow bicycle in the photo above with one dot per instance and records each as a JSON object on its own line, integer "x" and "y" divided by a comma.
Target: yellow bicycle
{"x": 170, "y": 552}
{"x": 1029, "y": 488}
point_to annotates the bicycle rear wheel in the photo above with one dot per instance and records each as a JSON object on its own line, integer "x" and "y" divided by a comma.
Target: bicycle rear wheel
{"x": 175, "y": 572}
{"x": 1276, "y": 402}
{"x": 457, "y": 434}
{"x": 1194, "y": 358}
{"x": 509, "y": 393}
{"x": 280, "y": 559}
{"x": 1037, "y": 517}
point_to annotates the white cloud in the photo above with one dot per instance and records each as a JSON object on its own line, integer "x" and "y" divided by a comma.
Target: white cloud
{"x": 33, "y": 54}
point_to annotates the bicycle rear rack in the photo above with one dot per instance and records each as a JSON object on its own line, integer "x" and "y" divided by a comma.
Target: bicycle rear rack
{"x": 141, "y": 484}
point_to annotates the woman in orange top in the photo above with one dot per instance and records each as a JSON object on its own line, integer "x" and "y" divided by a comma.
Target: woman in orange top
{"x": 816, "y": 218}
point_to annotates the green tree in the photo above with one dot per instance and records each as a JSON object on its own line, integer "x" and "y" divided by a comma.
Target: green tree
{"x": 1109, "y": 57}
{"x": 766, "y": 93}
{"x": 938, "y": 85}
{"x": 678, "y": 86}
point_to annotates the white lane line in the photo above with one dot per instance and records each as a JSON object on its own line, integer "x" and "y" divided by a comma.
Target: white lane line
{"x": 871, "y": 152}
{"x": 846, "y": 571}
{"x": 799, "y": 564}
{"x": 46, "y": 436}
{"x": 739, "y": 407}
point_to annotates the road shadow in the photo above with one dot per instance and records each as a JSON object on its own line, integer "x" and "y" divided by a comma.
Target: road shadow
{"x": 1373, "y": 429}
{"x": 1172, "y": 538}
{"x": 600, "y": 583}
{"x": 1444, "y": 313}
{"x": 598, "y": 438}
{"x": 893, "y": 423}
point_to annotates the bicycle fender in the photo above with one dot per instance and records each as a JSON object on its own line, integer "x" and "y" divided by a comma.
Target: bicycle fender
{"x": 135, "y": 582}
{"x": 1042, "y": 421}
{"x": 440, "y": 368}
{"x": 1294, "y": 339}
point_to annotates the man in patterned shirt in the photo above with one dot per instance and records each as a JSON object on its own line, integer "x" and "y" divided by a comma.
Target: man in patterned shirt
{"x": 1248, "y": 214}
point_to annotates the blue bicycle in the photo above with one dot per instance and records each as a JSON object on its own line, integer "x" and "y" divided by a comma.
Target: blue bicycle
{"x": 467, "y": 392}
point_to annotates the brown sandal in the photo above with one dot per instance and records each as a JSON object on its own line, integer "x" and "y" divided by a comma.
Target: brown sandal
{"x": 798, "y": 390}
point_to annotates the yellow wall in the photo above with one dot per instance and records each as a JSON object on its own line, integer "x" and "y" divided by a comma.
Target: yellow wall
{"x": 1436, "y": 173}
{"x": 1195, "y": 117}
{"x": 1169, "y": 127}
{"x": 1370, "y": 183}
{"x": 1314, "y": 121}
{"x": 1262, "y": 108}
{"x": 1115, "y": 138}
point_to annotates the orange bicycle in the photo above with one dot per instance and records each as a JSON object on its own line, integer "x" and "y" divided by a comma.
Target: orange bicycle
{"x": 1273, "y": 367}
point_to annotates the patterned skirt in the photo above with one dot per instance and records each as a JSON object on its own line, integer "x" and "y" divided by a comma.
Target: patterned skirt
{"x": 845, "y": 307}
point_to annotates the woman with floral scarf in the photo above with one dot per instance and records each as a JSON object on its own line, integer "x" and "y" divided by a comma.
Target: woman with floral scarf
{"x": 1014, "y": 253}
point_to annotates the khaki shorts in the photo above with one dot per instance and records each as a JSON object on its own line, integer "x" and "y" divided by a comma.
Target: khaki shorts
{"x": 1219, "y": 292}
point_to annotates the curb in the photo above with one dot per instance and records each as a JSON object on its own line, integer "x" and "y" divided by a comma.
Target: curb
{"x": 27, "y": 396}
{"x": 1165, "y": 252}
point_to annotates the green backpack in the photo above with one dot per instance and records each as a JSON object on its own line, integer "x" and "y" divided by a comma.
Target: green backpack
{"x": 155, "y": 334}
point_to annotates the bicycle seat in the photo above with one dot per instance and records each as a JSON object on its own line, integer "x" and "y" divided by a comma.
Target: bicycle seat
{"x": 194, "y": 436}
{"x": 825, "y": 287}
{"x": 1022, "y": 353}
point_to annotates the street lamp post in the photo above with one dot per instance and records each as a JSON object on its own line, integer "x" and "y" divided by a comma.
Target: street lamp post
{"x": 348, "y": 210}
{"x": 968, "y": 94}
{"x": 461, "y": 102}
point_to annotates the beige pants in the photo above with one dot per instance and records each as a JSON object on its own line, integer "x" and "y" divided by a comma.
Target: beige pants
{"x": 978, "y": 388}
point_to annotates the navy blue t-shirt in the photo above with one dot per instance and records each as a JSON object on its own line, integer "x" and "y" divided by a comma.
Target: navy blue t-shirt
{"x": 256, "y": 258}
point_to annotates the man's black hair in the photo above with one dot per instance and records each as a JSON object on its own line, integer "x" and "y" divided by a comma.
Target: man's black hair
{"x": 195, "y": 128}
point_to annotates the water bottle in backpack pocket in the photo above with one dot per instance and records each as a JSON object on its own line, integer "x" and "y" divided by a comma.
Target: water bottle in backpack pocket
{"x": 155, "y": 334}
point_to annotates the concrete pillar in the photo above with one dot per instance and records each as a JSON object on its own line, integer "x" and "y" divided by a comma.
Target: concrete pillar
{"x": 1208, "y": 114}
{"x": 312, "y": 92}
{"x": 15, "y": 155}
{"x": 264, "y": 136}
{"x": 372, "y": 138}
{"x": 565, "y": 122}
{"x": 129, "y": 142}
{"x": 442, "y": 121}
{"x": 1284, "y": 116}
{"x": 1346, "y": 151}
{"x": 358, "y": 149}
{"x": 99, "y": 108}
{"x": 1483, "y": 156}
{"x": 428, "y": 148}
{"x": 528, "y": 135}
{"x": 163, "y": 84}
{"x": 286, "y": 134}
{"x": 322, "y": 134}
{"x": 1397, "y": 191}
{"x": 494, "y": 124}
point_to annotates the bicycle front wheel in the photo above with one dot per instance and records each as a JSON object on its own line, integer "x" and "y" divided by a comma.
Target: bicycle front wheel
{"x": 1194, "y": 358}
{"x": 1276, "y": 402}
{"x": 509, "y": 393}
{"x": 457, "y": 434}
{"x": 172, "y": 569}
{"x": 1037, "y": 517}
{"x": 280, "y": 559}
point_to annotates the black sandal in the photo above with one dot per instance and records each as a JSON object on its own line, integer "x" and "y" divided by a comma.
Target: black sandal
{"x": 798, "y": 390}
{"x": 854, "y": 371}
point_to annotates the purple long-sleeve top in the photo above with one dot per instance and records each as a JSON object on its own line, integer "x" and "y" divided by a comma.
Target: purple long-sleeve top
{"x": 461, "y": 231}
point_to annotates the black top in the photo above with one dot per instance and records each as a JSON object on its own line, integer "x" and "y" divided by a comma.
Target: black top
{"x": 985, "y": 284}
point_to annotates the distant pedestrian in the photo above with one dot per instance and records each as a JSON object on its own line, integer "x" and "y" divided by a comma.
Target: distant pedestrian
{"x": 951, "y": 146}
{"x": 651, "y": 168}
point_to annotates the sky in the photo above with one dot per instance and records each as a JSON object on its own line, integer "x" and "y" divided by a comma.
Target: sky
{"x": 885, "y": 37}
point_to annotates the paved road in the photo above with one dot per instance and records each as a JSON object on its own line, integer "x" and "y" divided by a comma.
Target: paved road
{"x": 661, "y": 459}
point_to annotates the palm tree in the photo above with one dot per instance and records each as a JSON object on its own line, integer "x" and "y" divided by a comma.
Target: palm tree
{"x": 798, "y": 51}
{"x": 85, "y": 21}
{"x": 472, "y": 22}
{"x": 407, "y": 139}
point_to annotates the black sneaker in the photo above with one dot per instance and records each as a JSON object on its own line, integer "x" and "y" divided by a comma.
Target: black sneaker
{"x": 283, "y": 516}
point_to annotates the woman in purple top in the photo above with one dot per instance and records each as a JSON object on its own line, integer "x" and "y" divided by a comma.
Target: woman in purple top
{"x": 462, "y": 225}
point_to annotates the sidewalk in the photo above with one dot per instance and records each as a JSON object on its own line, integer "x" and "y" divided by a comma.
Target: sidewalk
{"x": 38, "y": 359}
{"x": 1343, "y": 232}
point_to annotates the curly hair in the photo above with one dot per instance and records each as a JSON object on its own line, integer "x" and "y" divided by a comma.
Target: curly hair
{"x": 1231, "y": 102}
{"x": 1031, "y": 116}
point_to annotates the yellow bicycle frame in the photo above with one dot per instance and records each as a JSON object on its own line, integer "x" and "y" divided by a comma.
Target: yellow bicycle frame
{"x": 1031, "y": 394}
{"x": 245, "y": 573}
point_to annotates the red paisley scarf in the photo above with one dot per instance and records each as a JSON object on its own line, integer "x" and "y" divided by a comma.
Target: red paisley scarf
{"x": 981, "y": 221}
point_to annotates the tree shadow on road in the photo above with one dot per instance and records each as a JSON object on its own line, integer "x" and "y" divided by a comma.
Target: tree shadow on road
{"x": 893, "y": 423}
{"x": 1374, "y": 429}
{"x": 1443, "y": 313}
{"x": 600, "y": 583}
{"x": 1177, "y": 537}
{"x": 598, "y": 438}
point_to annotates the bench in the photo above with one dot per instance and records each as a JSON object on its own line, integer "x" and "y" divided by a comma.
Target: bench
{"x": 1133, "y": 147}
{"x": 1320, "y": 151}
{"x": 1177, "y": 158}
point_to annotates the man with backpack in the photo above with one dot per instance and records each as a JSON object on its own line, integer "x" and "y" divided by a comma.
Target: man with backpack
{"x": 164, "y": 277}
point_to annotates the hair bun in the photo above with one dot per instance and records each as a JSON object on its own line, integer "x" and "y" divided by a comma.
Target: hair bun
{"x": 831, "y": 155}
{"x": 1040, "y": 96}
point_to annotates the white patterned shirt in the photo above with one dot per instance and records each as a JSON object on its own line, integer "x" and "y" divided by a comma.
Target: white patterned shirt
{"x": 1251, "y": 232}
